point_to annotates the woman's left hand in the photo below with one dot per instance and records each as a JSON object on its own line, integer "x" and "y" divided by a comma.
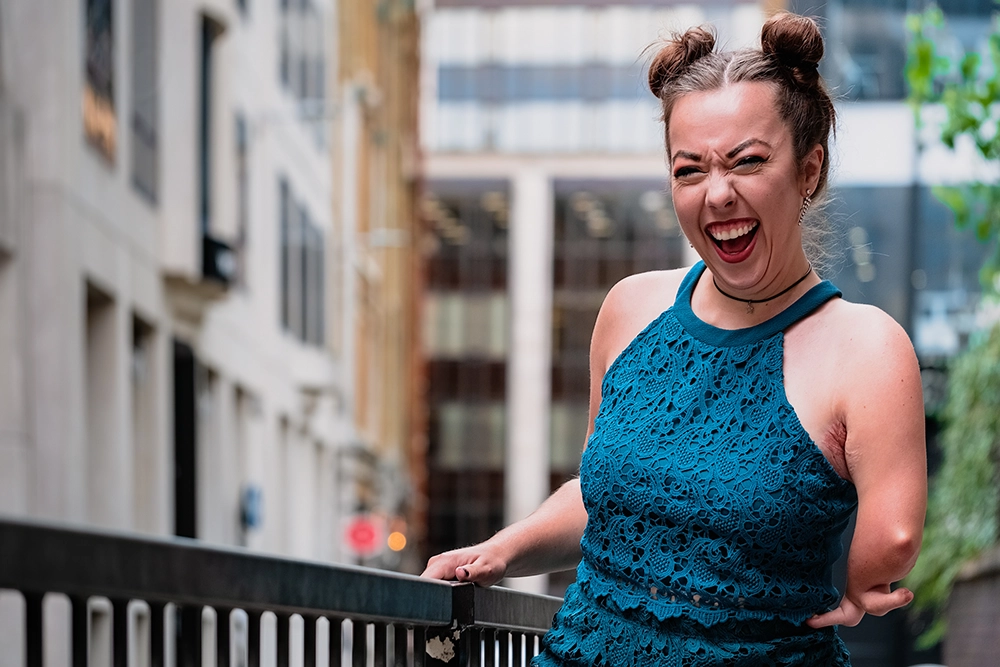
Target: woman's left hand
{"x": 878, "y": 601}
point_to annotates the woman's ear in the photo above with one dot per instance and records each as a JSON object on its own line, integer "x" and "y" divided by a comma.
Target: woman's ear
{"x": 812, "y": 164}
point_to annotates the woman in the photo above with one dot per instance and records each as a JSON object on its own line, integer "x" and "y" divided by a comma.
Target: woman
{"x": 740, "y": 410}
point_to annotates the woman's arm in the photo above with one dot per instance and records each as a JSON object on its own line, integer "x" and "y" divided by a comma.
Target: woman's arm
{"x": 547, "y": 541}
{"x": 886, "y": 455}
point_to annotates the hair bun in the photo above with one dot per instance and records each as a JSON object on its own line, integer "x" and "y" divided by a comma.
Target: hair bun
{"x": 677, "y": 55}
{"x": 795, "y": 41}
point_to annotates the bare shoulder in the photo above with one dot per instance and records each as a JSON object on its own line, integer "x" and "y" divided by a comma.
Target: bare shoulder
{"x": 629, "y": 307}
{"x": 868, "y": 333}
{"x": 871, "y": 350}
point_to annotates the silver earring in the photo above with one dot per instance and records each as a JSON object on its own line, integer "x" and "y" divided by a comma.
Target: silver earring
{"x": 806, "y": 203}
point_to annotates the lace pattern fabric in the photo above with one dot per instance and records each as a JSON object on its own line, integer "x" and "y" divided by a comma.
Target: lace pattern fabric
{"x": 713, "y": 518}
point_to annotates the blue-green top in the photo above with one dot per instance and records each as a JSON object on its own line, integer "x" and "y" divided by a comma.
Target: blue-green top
{"x": 712, "y": 515}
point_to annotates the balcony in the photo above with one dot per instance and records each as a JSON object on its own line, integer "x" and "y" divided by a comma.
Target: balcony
{"x": 309, "y": 610}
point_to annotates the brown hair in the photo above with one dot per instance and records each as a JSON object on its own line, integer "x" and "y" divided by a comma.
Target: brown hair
{"x": 791, "y": 48}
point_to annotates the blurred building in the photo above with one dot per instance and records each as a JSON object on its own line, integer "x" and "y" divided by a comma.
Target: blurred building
{"x": 377, "y": 175}
{"x": 206, "y": 268}
{"x": 207, "y": 274}
{"x": 547, "y": 183}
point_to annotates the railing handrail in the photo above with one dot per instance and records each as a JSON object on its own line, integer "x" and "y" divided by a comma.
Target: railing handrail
{"x": 42, "y": 557}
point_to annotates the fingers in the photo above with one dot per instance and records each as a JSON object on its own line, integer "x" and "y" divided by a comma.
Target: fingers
{"x": 880, "y": 604}
{"x": 847, "y": 613}
{"x": 481, "y": 571}
{"x": 465, "y": 565}
{"x": 874, "y": 602}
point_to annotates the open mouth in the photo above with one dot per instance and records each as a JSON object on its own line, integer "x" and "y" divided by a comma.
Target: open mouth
{"x": 734, "y": 240}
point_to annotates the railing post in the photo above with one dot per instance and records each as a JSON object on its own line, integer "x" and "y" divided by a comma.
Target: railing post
{"x": 503, "y": 639}
{"x": 359, "y": 644}
{"x": 33, "y": 629}
{"x": 156, "y": 633}
{"x": 381, "y": 639}
{"x": 400, "y": 645}
{"x": 79, "y": 639}
{"x": 119, "y": 632}
{"x": 222, "y": 628}
{"x": 283, "y": 643}
{"x": 336, "y": 641}
{"x": 489, "y": 648}
{"x": 189, "y": 650}
{"x": 419, "y": 646}
{"x": 308, "y": 641}
{"x": 253, "y": 638}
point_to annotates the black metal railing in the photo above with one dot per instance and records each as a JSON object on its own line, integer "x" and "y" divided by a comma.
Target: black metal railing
{"x": 349, "y": 615}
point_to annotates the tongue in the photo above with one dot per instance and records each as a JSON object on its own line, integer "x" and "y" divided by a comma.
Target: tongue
{"x": 737, "y": 245}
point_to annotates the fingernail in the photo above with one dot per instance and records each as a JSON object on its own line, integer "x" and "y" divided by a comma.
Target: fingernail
{"x": 466, "y": 572}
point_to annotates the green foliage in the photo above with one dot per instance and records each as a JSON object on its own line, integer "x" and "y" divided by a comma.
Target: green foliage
{"x": 963, "y": 514}
{"x": 970, "y": 96}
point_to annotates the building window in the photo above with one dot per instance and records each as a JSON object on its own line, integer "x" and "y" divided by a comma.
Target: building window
{"x": 145, "y": 84}
{"x": 303, "y": 271}
{"x": 465, "y": 342}
{"x": 284, "y": 212}
{"x": 210, "y": 31}
{"x": 313, "y": 270}
{"x": 302, "y": 52}
{"x": 242, "y": 198}
{"x": 100, "y": 122}
{"x": 604, "y": 231}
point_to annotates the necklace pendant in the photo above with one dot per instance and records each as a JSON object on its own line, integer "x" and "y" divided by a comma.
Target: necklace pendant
{"x": 749, "y": 307}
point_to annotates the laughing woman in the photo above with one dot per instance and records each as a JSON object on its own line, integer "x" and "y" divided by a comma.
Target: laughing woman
{"x": 740, "y": 410}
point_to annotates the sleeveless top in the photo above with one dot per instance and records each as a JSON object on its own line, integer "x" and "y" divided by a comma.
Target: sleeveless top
{"x": 714, "y": 520}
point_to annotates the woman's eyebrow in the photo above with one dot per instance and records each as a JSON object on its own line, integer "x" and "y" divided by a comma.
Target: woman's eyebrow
{"x": 746, "y": 144}
{"x": 695, "y": 157}
{"x": 687, "y": 154}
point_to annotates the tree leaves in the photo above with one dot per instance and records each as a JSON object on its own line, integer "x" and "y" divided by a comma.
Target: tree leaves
{"x": 963, "y": 513}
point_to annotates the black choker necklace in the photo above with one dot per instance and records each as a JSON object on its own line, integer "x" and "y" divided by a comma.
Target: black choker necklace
{"x": 751, "y": 302}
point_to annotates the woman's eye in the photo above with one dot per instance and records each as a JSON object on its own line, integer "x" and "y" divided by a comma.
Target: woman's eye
{"x": 751, "y": 161}
{"x": 681, "y": 172}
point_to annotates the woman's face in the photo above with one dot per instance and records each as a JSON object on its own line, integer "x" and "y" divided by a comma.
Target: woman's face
{"x": 736, "y": 186}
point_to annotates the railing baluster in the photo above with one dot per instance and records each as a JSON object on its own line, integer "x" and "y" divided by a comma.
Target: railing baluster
{"x": 468, "y": 648}
{"x": 308, "y": 641}
{"x": 189, "y": 651}
{"x": 222, "y": 635}
{"x": 119, "y": 633}
{"x": 359, "y": 645}
{"x": 400, "y": 638}
{"x": 283, "y": 621}
{"x": 381, "y": 638}
{"x": 156, "y": 633}
{"x": 253, "y": 638}
{"x": 419, "y": 646}
{"x": 489, "y": 648}
{"x": 518, "y": 649}
{"x": 503, "y": 638}
{"x": 336, "y": 641}
{"x": 79, "y": 640}
{"x": 33, "y": 629}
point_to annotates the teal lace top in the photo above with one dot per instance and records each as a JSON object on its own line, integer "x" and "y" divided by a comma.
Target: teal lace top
{"x": 714, "y": 520}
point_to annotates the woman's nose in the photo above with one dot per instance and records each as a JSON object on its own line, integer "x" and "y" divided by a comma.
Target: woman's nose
{"x": 720, "y": 193}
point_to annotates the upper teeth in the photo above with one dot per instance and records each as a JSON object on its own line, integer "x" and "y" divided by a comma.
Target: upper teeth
{"x": 733, "y": 233}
